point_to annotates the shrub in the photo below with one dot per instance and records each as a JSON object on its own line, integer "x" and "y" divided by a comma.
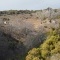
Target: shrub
{"x": 50, "y": 47}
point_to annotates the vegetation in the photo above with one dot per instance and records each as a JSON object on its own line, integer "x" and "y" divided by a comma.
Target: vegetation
{"x": 12, "y": 12}
{"x": 50, "y": 47}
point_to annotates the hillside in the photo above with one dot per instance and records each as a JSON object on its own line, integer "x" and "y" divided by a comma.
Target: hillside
{"x": 22, "y": 30}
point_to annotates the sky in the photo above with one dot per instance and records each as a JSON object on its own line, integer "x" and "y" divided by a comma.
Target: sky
{"x": 28, "y": 4}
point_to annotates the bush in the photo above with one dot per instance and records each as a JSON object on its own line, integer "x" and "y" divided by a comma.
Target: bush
{"x": 50, "y": 47}
{"x": 33, "y": 54}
